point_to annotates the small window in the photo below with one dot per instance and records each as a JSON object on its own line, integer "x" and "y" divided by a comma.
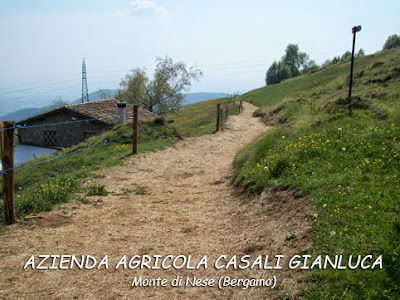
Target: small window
{"x": 50, "y": 138}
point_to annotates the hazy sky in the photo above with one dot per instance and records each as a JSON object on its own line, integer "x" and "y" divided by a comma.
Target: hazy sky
{"x": 233, "y": 42}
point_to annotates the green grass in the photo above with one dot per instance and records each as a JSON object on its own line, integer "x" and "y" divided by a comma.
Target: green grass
{"x": 348, "y": 168}
{"x": 375, "y": 83}
{"x": 96, "y": 190}
{"x": 41, "y": 187}
{"x": 199, "y": 114}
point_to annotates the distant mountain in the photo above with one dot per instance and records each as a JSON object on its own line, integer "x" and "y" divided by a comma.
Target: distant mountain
{"x": 21, "y": 114}
{"x": 199, "y": 97}
{"x": 98, "y": 95}
{"x": 188, "y": 99}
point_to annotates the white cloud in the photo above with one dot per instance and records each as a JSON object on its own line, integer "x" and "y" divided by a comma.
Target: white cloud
{"x": 146, "y": 6}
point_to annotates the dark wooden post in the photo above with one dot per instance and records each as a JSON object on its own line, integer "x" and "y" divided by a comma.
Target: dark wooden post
{"x": 226, "y": 113}
{"x": 7, "y": 158}
{"x": 354, "y": 31}
{"x": 241, "y": 106}
{"x": 218, "y": 112}
{"x": 135, "y": 128}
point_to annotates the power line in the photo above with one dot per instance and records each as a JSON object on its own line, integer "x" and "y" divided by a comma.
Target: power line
{"x": 36, "y": 87}
{"x": 46, "y": 80}
{"x": 238, "y": 63}
{"x": 56, "y": 90}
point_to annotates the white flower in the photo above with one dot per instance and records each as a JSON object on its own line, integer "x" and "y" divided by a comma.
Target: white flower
{"x": 344, "y": 149}
{"x": 283, "y": 136}
{"x": 339, "y": 129}
{"x": 325, "y": 205}
{"x": 265, "y": 168}
{"x": 333, "y": 232}
{"x": 367, "y": 161}
{"x": 315, "y": 215}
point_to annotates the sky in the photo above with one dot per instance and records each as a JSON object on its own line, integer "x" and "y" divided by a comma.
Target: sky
{"x": 232, "y": 42}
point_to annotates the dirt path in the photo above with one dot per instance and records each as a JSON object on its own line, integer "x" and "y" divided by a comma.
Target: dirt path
{"x": 184, "y": 207}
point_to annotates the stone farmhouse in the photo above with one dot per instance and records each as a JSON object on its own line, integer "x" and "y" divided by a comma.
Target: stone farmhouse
{"x": 105, "y": 112}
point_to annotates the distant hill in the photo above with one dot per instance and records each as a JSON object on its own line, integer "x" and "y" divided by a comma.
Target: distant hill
{"x": 199, "y": 97}
{"x": 21, "y": 114}
{"x": 188, "y": 99}
{"x": 109, "y": 93}
{"x": 98, "y": 95}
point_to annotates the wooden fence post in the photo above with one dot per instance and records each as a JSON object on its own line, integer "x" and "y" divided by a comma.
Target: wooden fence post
{"x": 135, "y": 128}
{"x": 241, "y": 106}
{"x": 218, "y": 111}
{"x": 226, "y": 113}
{"x": 7, "y": 158}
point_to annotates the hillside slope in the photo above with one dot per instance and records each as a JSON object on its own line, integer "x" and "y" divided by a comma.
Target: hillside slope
{"x": 348, "y": 168}
{"x": 323, "y": 94}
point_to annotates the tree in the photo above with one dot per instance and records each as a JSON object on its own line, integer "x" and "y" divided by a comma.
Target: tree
{"x": 293, "y": 58}
{"x": 326, "y": 63}
{"x": 335, "y": 60}
{"x": 393, "y": 41}
{"x": 165, "y": 91}
{"x": 104, "y": 94}
{"x": 56, "y": 104}
{"x": 361, "y": 52}
{"x": 346, "y": 56}
{"x": 309, "y": 66}
{"x": 276, "y": 73}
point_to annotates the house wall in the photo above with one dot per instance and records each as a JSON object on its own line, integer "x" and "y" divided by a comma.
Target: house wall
{"x": 65, "y": 135}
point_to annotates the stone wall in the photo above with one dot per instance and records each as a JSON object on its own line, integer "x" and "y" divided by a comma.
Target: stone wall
{"x": 57, "y": 136}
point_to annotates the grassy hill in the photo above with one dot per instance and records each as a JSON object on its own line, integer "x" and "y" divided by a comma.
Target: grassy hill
{"x": 375, "y": 82}
{"x": 347, "y": 167}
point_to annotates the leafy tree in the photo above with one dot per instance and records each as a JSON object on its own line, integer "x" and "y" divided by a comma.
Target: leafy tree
{"x": 294, "y": 59}
{"x": 276, "y": 73}
{"x": 335, "y": 60}
{"x": 56, "y": 104}
{"x": 165, "y": 91}
{"x": 393, "y": 41}
{"x": 361, "y": 52}
{"x": 326, "y": 63}
{"x": 346, "y": 56}
{"x": 309, "y": 66}
{"x": 104, "y": 94}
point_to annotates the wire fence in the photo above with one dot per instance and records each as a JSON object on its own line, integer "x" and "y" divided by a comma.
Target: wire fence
{"x": 95, "y": 119}
{"x": 8, "y": 136}
{"x": 68, "y": 122}
{"x": 104, "y": 142}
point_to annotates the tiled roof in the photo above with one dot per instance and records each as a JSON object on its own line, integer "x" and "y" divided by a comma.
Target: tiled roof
{"x": 106, "y": 108}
